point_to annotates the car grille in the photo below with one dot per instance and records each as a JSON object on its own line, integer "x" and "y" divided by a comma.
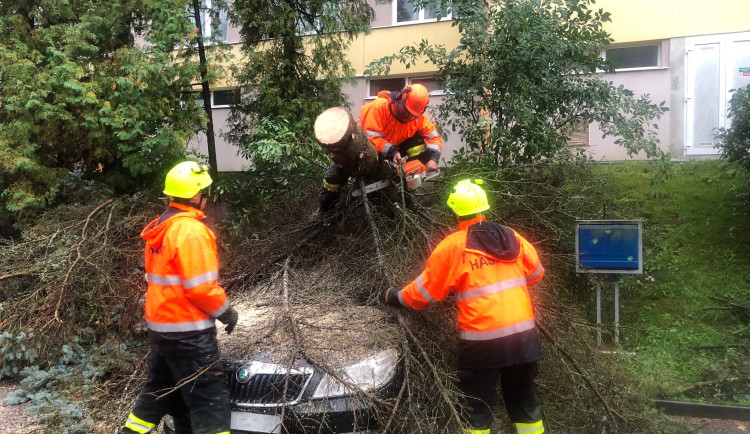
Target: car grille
{"x": 268, "y": 389}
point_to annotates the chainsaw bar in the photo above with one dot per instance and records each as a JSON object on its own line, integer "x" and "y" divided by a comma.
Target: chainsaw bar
{"x": 375, "y": 186}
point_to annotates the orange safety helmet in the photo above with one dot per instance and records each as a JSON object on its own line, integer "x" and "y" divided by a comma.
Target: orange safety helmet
{"x": 416, "y": 98}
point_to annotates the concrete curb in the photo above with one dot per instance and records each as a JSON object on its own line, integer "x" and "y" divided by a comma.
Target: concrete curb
{"x": 691, "y": 409}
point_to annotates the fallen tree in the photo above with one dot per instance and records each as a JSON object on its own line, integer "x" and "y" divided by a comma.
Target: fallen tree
{"x": 77, "y": 276}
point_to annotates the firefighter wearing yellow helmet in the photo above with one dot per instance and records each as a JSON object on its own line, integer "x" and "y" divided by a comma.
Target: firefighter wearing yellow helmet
{"x": 183, "y": 302}
{"x": 489, "y": 268}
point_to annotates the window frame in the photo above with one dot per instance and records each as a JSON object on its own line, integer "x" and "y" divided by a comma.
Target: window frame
{"x": 408, "y": 80}
{"x": 420, "y": 20}
{"x": 656, "y": 44}
{"x": 199, "y": 99}
{"x": 207, "y": 28}
{"x": 213, "y": 97}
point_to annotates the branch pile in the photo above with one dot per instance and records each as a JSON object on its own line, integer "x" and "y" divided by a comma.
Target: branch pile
{"x": 80, "y": 268}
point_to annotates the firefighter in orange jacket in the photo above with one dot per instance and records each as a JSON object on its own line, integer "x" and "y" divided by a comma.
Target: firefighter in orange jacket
{"x": 396, "y": 125}
{"x": 488, "y": 268}
{"x": 182, "y": 303}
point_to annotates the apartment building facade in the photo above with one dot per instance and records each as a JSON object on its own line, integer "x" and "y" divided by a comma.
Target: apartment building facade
{"x": 687, "y": 53}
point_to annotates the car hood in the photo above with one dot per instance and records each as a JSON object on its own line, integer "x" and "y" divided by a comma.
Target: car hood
{"x": 273, "y": 331}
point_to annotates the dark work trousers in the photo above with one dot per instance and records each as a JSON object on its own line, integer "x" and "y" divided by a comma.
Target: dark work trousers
{"x": 336, "y": 178}
{"x": 199, "y": 406}
{"x": 519, "y": 394}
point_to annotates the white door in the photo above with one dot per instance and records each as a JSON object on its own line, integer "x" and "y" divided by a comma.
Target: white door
{"x": 715, "y": 66}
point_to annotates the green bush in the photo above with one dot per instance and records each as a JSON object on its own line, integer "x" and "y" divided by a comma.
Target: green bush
{"x": 735, "y": 140}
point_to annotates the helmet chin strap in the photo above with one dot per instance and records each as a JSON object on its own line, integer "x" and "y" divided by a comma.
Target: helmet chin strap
{"x": 399, "y": 111}
{"x": 199, "y": 201}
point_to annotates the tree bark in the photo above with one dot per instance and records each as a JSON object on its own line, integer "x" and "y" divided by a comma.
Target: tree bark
{"x": 345, "y": 142}
{"x": 213, "y": 169}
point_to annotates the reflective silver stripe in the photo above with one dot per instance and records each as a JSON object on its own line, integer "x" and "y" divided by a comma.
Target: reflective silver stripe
{"x": 537, "y": 273}
{"x": 434, "y": 147}
{"x": 432, "y": 135}
{"x": 401, "y": 299}
{"x": 491, "y": 289}
{"x": 181, "y": 326}
{"x": 176, "y": 280}
{"x": 373, "y": 134}
{"x": 220, "y": 310}
{"x": 163, "y": 280}
{"x": 386, "y": 148}
{"x": 497, "y": 333}
{"x": 200, "y": 279}
{"x": 423, "y": 291}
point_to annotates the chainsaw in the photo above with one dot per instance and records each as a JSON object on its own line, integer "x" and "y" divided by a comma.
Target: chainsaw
{"x": 414, "y": 172}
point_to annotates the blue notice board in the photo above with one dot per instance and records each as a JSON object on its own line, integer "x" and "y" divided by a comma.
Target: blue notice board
{"x": 609, "y": 246}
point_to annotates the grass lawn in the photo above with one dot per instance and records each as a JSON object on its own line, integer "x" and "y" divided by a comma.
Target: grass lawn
{"x": 687, "y": 339}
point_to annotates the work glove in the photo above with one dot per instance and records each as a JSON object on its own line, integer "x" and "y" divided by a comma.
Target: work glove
{"x": 393, "y": 155}
{"x": 391, "y": 297}
{"x": 230, "y": 318}
{"x": 434, "y": 155}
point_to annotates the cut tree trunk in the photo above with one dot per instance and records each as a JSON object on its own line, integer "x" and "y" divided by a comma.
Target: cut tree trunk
{"x": 345, "y": 142}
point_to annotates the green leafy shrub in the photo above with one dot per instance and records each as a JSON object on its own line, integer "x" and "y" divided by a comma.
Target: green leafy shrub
{"x": 735, "y": 140}
{"x": 525, "y": 75}
{"x": 284, "y": 163}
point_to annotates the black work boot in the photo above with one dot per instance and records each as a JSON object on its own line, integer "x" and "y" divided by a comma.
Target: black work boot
{"x": 411, "y": 202}
{"x": 327, "y": 202}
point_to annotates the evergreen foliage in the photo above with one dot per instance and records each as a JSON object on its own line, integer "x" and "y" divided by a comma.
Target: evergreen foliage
{"x": 525, "y": 74}
{"x": 294, "y": 66}
{"x": 61, "y": 392}
{"x": 80, "y": 95}
{"x": 281, "y": 158}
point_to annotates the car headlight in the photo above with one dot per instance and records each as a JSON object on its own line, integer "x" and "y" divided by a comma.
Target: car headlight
{"x": 369, "y": 374}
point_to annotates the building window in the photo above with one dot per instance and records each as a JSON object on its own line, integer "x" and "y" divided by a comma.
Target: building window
{"x": 220, "y": 98}
{"x": 378, "y": 84}
{"x": 225, "y": 98}
{"x": 433, "y": 85}
{"x": 643, "y": 56}
{"x": 312, "y": 21}
{"x": 578, "y": 135}
{"x": 405, "y": 12}
{"x": 214, "y": 21}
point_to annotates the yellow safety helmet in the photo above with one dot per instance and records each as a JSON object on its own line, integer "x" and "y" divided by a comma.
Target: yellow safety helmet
{"x": 186, "y": 180}
{"x": 468, "y": 198}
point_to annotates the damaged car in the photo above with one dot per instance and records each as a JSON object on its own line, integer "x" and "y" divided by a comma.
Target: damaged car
{"x": 308, "y": 368}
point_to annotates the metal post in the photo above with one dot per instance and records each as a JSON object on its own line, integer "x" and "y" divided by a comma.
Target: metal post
{"x": 598, "y": 312}
{"x": 617, "y": 310}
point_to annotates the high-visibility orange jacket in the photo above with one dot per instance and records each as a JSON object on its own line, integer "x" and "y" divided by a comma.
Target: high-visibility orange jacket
{"x": 182, "y": 270}
{"x": 386, "y": 133}
{"x": 488, "y": 268}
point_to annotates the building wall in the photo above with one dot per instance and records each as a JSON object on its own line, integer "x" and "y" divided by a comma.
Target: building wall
{"x": 644, "y": 20}
{"x": 669, "y": 23}
{"x": 227, "y": 156}
{"x": 655, "y": 84}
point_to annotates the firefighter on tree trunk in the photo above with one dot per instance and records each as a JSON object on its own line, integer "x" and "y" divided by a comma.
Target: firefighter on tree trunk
{"x": 396, "y": 124}
{"x": 488, "y": 268}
